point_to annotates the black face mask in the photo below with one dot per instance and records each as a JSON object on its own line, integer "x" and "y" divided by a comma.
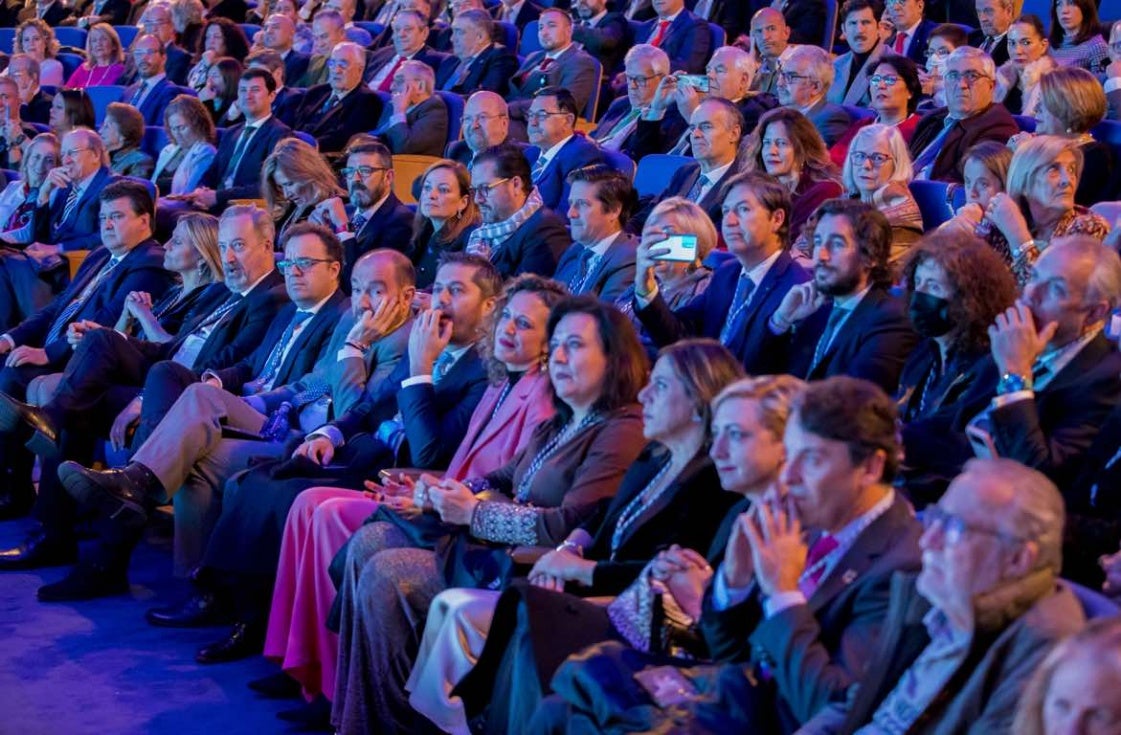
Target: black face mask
{"x": 930, "y": 315}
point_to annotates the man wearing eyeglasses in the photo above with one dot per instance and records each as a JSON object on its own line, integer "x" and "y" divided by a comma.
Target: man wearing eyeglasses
{"x": 644, "y": 69}
{"x": 486, "y": 123}
{"x": 912, "y": 32}
{"x": 970, "y": 116}
{"x": 66, "y": 216}
{"x": 860, "y": 29}
{"x": 153, "y": 89}
{"x": 962, "y": 638}
{"x": 410, "y": 37}
{"x": 156, "y": 21}
{"x": 335, "y": 111}
{"x": 992, "y": 37}
{"x": 551, "y": 128}
{"x": 803, "y": 82}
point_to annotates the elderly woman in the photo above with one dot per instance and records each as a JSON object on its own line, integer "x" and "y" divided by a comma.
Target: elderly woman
{"x": 123, "y": 132}
{"x": 446, "y": 216}
{"x": 36, "y": 39}
{"x": 1076, "y": 38}
{"x": 786, "y": 145}
{"x": 190, "y": 150}
{"x": 1017, "y": 80}
{"x": 896, "y": 91}
{"x": 222, "y": 38}
{"x": 220, "y": 93}
{"x": 1075, "y": 689}
{"x": 877, "y": 171}
{"x": 322, "y": 519}
{"x": 70, "y": 108}
{"x": 671, "y": 495}
{"x": 105, "y": 59}
{"x": 188, "y": 17}
{"x": 1039, "y": 205}
{"x": 294, "y": 179}
{"x": 569, "y": 467}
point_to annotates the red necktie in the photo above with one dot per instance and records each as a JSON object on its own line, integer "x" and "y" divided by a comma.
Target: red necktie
{"x": 388, "y": 81}
{"x": 823, "y": 547}
{"x": 541, "y": 66}
{"x": 659, "y": 33}
{"x": 900, "y": 40}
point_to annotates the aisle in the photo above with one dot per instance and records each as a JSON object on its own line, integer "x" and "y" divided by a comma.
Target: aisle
{"x": 97, "y": 667}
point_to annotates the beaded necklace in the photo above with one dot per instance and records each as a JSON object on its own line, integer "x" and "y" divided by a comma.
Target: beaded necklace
{"x": 563, "y": 436}
{"x": 639, "y": 505}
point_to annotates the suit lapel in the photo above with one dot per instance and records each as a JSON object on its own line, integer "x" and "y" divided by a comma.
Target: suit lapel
{"x": 520, "y": 394}
{"x": 760, "y": 295}
{"x": 847, "y": 331}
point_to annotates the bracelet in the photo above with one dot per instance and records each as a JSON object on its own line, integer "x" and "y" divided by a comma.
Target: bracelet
{"x": 572, "y": 546}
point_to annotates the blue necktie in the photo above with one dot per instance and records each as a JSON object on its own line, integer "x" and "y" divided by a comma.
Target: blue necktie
{"x": 272, "y": 365}
{"x": 737, "y": 310}
{"x": 835, "y": 318}
{"x": 62, "y": 321}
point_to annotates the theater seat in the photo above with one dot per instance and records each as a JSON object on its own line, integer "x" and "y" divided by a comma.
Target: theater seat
{"x": 656, "y": 170}
{"x": 406, "y": 169}
{"x": 933, "y": 200}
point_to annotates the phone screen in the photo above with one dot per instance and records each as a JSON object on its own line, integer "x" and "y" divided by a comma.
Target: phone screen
{"x": 697, "y": 81}
{"x": 683, "y": 248}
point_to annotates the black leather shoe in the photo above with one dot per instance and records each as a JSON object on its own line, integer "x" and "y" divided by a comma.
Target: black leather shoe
{"x": 315, "y": 715}
{"x": 39, "y": 550}
{"x": 85, "y": 582}
{"x": 245, "y": 640}
{"x": 198, "y": 611}
{"x": 25, "y": 420}
{"x": 119, "y": 494}
{"x": 15, "y": 504}
{"x": 277, "y": 686}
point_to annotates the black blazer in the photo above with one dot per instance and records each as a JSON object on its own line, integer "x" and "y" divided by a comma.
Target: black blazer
{"x": 706, "y": 314}
{"x": 1093, "y": 502}
{"x": 302, "y": 356}
{"x": 608, "y": 41}
{"x": 38, "y": 110}
{"x": 872, "y": 344}
{"x": 999, "y": 51}
{"x": 82, "y": 231}
{"x": 679, "y": 185}
{"x": 202, "y": 300}
{"x": 390, "y": 227}
{"x": 535, "y": 247}
{"x": 958, "y": 377}
{"x": 354, "y": 114}
{"x": 687, "y": 42}
{"x": 491, "y": 70}
{"x": 247, "y": 177}
{"x": 295, "y": 64}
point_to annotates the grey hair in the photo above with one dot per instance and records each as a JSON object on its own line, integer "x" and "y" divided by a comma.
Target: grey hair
{"x": 421, "y": 70}
{"x": 901, "y": 156}
{"x": 969, "y": 53}
{"x": 658, "y": 59}
{"x": 821, "y": 67}
{"x": 1104, "y": 283}
{"x": 262, "y": 221}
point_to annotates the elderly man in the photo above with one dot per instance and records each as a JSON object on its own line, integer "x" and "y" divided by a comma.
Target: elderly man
{"x": 992, "y": 37}
{"x": 327, "y": 31}
{"x": 1051, "y": 380}
{"x": 912, "y": 32}
{"x": 335, "y": 111}
{"x": 644, "y": 69}
{"x": 970, "y": 116}
{"x": 416, "y": 121}
{"x": 153, "y": 90}
{"x": 861, "y": 30}
{"x": 67, "y": 209}
{"x": 559, "y": 63}
{"x": 279, "y": 35}
{"x": 486, "y": 123}
{"x": 35, "y": 104}
{"x": 519, "y": 233}
{"x": 770, "y": 37}
{"x": 684, "y": 37}
{"x": 477, "y": 61}
{"x": 803, "y": 83}
{"x": 600, "y": 260}
{"x": 560, "y": 151}
{"x": 410, "y": 36}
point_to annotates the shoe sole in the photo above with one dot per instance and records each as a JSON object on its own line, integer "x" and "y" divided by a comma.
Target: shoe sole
{"x": 43, "y": 446}
{"x": 92, "y": 495}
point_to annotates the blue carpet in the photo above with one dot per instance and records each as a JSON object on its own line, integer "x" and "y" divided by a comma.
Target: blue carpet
{"x": 97, "y": 667}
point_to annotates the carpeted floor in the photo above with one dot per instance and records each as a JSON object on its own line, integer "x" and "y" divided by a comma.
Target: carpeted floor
{"x": 97, "y": 667}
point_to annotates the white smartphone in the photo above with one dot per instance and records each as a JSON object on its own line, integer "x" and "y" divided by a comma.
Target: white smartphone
{"x": 682, "y": 248}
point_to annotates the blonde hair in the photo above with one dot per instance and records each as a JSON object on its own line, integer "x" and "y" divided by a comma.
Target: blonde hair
{"x": 1031, "y": 157}
{"x": 691, "y": 220}
{"x": 52, "y": 45}
{"x": 118, "y": 55}
{"x": 901, "y": 157}
{"x": 202, "y": 231}
{"x": 301, "y": 163}
{"x": 775, "y": 395}
{"x": 1075, "y": 97}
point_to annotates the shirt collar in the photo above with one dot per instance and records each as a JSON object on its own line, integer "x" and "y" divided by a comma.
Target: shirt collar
{"x": 249, "y": 290}
{"x": 600, "y": 247}
{"x": 850, "y": 301}
{"x": 911, "y": 31}
{"x": 153, "y": 80}
{"x": 372, "y": 210}
{"x": 258, "y": 123}
{"x": 671, "y": 19}
{"x": 313, "y": 310}
{"x": 549, "y": 154}
{"x": 715, "y": 174}
{"x": 1057, "y": 359}
{"x": 554, "y": 55}
{"x": 759, "y": 272}
{"x": 597, "y": 18}
{"x": 847, "y": 535}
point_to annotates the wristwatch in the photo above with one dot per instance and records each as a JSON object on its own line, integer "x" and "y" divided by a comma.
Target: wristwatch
{"x": 1013, "y": 382}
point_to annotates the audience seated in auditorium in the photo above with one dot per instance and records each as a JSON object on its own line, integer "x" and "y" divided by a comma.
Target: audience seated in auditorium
{"x": 644, "y": 68}
{"x": 992, "y": 35}
{"x": 278, "y": 34}
{"x": 221, "y": 38}
{"x": 803, "y": 81}
{"x": 153, "y": 88}
{"x": 1075, "y": 36}
{"x": 122, "y": 131}
{"x": 219, "y": 96}
{"x": 551, "y": 121}
{"x": 416, "y": 120}
{"x": 943, "y": 40}
{"x": 852, "y": 70}
{"x": 683, "y": 36}
{"x": 156, "y": 20}
{"x": 603, "y": 32}
{"x": 15, "y": 131}
{"x": 327, "y": 32}
{"x": 601, "y": 259}
{"x": 486, "y": 123}
{"x": 189, "y": 154}
{"x": 335, "y": 111}
{"x": 911, "y": 34}
{"x": 71, "y": 108}
{"x": 410, "y": 36}
{"x": 295, "y": 181}
{"x": 105, "y": 59}
{"x": 66, "y": 215}
{"x": 445, "y": 218}
{"x": 287, "y": 99}
{"x": 477, "y": 61}
{"x": 35, "y": 39}
{"x": 1017, "y": 80}
{"x": 770, "y": 43}
{"x": 35, "y": 104}
{"x": 805, "y": 19}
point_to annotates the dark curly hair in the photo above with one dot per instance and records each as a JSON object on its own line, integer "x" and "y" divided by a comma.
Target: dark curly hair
{"x": 908, "y": 73}
{"x": 237, "y": 44}
{"x": 550, "y": 293}
{"x": 983, "y": 287}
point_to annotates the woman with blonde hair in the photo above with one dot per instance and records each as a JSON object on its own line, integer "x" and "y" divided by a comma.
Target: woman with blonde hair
{"x": 105, "y": 59}
{"x": 446, "y": 216}
{"x": 1075, "y": 689}
{"x": 877, "y": 171}
{"x": 1073, "y": 102}
{"x": 294, "y": 179}
{"x": 36, "y": 39}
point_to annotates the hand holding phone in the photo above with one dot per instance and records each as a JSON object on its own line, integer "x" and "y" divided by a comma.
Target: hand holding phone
{"x": 682, "y": 248}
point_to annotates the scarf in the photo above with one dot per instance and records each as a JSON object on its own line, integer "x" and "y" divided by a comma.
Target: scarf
{"x": 496, "y": 233}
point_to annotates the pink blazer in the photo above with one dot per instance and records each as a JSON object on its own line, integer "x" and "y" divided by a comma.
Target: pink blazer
{"x": 492, "y": 438}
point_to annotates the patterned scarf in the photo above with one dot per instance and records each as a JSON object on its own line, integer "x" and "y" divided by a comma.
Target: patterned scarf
{"x": 495, "y": 234}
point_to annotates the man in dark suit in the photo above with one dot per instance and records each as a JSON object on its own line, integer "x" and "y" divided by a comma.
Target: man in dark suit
{"x": 603, "y": 34}
{"x": 644, "y": 69}
{"x": 996, "y": 17}
{"x": 810, "y": 619}
{"x": 328, "y": 29}
{"x": 35, "y": 104}
{"x": 279, "y": 32}
{"x": 287, "y": 100}
{"x": 601, "y": 259}
{"x": 129, "y": 261}
{"x": 376, "y": 217}
{"x": 68, "y": 205}
{"x": 478, "y": 62}
{"x": 335, "y": 111}
{"x": 486, "y": 124}
{"x": 113, "y": 12}
{"x": 410, "y": 33}
{"x": 805, "y": 18}
{"x": 560, "y": 149}
{"x": 153, "y": 89}
{"x": 518, "y": 12}
{"x": 519, "y": 233}
{"x": 912, "y": 32}
{"x": 844, "y": 321}
{"x": 1056, "y": 376}
{"x": 744, "y": 291}
{"x": 156, "y": 20}
{"x": 803, "y": 83}
{"x": 416, "y": 120}
{"x": 684, "y": 37}
{"x": 942, "y": 137}
{"x": 53, "y": 13}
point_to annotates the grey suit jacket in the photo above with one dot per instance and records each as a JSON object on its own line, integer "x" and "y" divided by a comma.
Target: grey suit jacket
{"x": 609, "y": 277}
{"x": 830, "y": 119}
{"x": 858, "y": 91}
{"x": 424, "y": 131}
{"x": 574, "y": 70}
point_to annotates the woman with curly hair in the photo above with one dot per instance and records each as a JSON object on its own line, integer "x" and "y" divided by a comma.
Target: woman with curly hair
{"x": 221, "y": 38}
{"x": 36, "y": 39}
{"x": 786, "y": 145}
{"x": 295, "y": 178}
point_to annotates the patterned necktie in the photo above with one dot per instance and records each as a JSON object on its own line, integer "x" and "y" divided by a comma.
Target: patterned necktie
{"x": 541, "y": 66}
{"x": 358, "y": 222}
{"x": 138, "y": 94}
{"x": 332, "y": 100}
{"x": 836, "y": 316}
{"x": 744, "y": 288}
{"x": 698, "y": 186}
{"x": 539, "y": 167}
{"x": 239, "y": 151}
{"x": 71, "y": 204}
{"x": 659, "y": 33}
{"x": 577, "y": 283}
{"x": 815, "y": 564}
{"x": 272, "y": 364}
{"x": 62, "y": 321}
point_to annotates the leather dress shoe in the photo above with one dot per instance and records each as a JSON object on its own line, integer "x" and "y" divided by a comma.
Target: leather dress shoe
{"x": 85, "y": 582}
{"x": 244, "y": 640}
{"x": 198, "y": 611}
{"x": 27, "y": 420}
{"x": 39, "y": 550}
{"x": 119, "y": 494}
{"x": 277, "y": 686}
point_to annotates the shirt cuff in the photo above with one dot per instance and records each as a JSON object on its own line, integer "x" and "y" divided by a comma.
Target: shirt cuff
{"x": 779, "y": 601}
{"x": 653, "y": 115}
{"x": 1112, "y": 84}
{"x": 1013, "y": 397}
{"x": 349, "y": 351}
{"x": 723, "y": 596}
{"x": 417, "y": 380}
{"x": 330, "y": 433}
{"x": 11, "y": 342}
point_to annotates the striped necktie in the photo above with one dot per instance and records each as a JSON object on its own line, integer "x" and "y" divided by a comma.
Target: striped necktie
{"x": 744, "y": 288}
{"x": 62, "y": 321}
{"x": 272, "y": 365}
{"x": 72, "y": 198}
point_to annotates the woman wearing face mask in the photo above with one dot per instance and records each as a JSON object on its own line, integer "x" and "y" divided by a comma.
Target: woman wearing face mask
{"x": 1017, "y": 80}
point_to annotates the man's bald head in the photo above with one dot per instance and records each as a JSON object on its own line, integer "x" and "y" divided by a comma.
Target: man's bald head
{"x": 486, "y": 120}
{"x": 769, "y": 33}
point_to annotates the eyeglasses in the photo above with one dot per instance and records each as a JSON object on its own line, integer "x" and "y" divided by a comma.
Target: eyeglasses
{"x": 73, "y": 152}
{"x": 470, "y": 120}
{"x": 300, "y": 264}
{"x": 971, "y": 77}
{"x": 338, "y": 64}
{"x": 484, "y": 190}
{"x": 541, "y": 115}
{"x": 363, "y": 171}
{"x": 955, "y": 527}
{"x": 888, "y": 80}
{"x": 937, "y": 52}
{"x": 790, "y": 77}
{"x": 878, "y": 159}
{"x": 637, "y": 81}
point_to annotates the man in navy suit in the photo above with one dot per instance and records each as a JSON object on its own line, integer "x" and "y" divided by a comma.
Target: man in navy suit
{"x": 478, "y": 62}
{"x": 912, "y": 32}
{"x": 803, "y": 82}
{"x": 601, "y": 259}
{"x": 66, "y": 216}
{"x": 745, "y": 290}
{"x": 279, "y": 32}
{"x": 603, "y": 34}
{"x": 156, "y": 20}
{"x": 410, "y": 36}
{"x": 129, "y": 261}
{"x": 551, "y": 127}
{"x": 996, "y": 17}
{"x": 335, "y": 111}
{"x": 152, "y": 90}
{"x": 684, "y": 37}
{"x": 644, "y": 69}
{"x": 844, "y": 321}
